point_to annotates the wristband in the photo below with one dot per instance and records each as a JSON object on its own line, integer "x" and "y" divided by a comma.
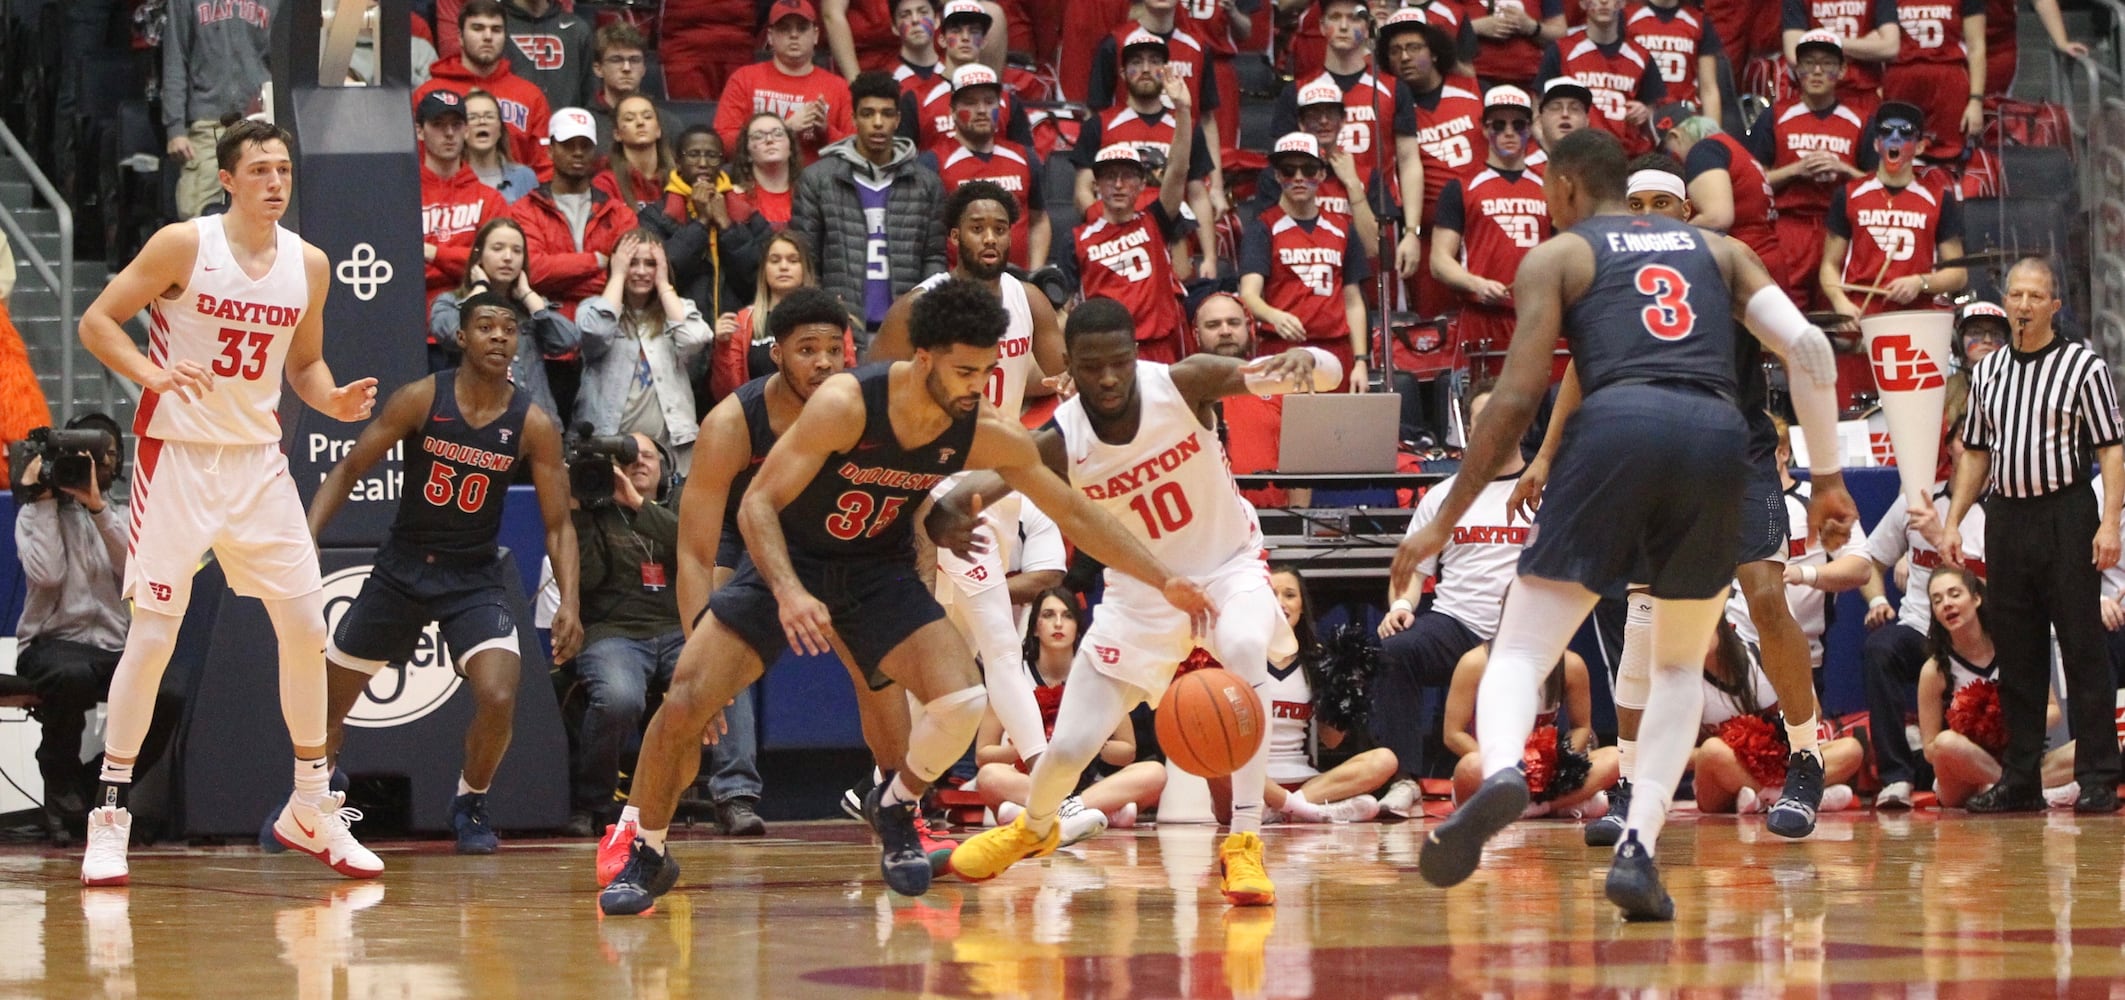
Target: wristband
{"x": 1809, "y": 574}
{"x": 1401, "y": 604}
{"x": 1877, "y": 602}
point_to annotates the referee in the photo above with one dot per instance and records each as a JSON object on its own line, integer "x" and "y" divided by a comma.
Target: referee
{"x": 2035, "y": 412}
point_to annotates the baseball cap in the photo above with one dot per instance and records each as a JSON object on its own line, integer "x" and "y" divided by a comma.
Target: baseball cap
{"x": 571, "y": 123}
{"x": 1296, "y": 144}
{"x": 1120, "y": 152}
{"x": 1507, "y": 96}
{"x": 784, "y": 9}
{"x": 1892, "y": 111}
{"x": 437, "y": 104}
{"x": 1821, "y": 38}
{"x": 1567, "y": 86}
{"x": 1140, "y": 38}
{"x": 1427, "y": 20}
{"x": 965, "y": 8}
{"x": 1671, "y": 114}
{"x": 1321, "y": 91}
{"x": 974, "y": 75}
{"x": 1979, "y": 309}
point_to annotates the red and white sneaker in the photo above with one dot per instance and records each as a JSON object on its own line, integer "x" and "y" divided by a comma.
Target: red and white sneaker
{"x": 319, "y": 830}
{"x": 612, "y": 850}
{"x": 110, "y": 832}
{"x": 931, "y": 839}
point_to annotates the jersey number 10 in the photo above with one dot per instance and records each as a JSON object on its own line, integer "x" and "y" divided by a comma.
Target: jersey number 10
{"x": 1163, "y": 509}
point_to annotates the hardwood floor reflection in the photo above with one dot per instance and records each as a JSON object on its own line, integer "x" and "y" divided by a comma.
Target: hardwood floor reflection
{"x": 1916, "y": 905}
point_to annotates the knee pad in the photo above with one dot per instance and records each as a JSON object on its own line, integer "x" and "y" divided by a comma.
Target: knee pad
{"x": 960, "y": 710}
{"x": 944, "y": 730}
{"x": 1634, "y": 669}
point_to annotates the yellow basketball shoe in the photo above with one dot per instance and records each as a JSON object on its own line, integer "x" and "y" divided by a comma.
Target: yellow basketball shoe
{"x": 1246, "y": 882}
{"x": 985, "y": 855}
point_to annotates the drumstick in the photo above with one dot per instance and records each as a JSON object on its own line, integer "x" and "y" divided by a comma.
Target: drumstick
{"x": 1865, "y": 288}
{"x": 1876, "y": 289}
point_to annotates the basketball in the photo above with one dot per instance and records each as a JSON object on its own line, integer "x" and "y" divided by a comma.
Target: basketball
{"x": 1209, "y": 722}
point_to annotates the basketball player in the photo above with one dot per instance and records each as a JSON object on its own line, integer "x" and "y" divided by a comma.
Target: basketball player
{"x": 233, "y": 300}
{"x": 1650, "y": 481}
{"x": 465, "y": 431}
{"x": 828, "y": 555}
{"x": 1656, "y": 187}
{"x": 1139, "y": 439}
{"x": 982, "y": 216}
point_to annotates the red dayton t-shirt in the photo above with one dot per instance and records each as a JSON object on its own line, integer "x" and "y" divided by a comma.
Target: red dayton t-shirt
{"x": 1676, "y": 38}
{"x": 1448, "y": 126}
{"x": 763, "y": 86}
{"x": 1617, "y": 74}
{"x": 1892, "y": 232}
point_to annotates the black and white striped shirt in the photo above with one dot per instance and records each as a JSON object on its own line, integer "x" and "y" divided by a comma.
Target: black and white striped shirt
{"x": 2040, "y": 414}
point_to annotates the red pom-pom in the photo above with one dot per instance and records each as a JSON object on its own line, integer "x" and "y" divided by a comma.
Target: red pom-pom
{"x": 1759, "y": 745}
{"x": 1198, "y": 659}
{"x": 1975, "y": 713}
{"x": 1539, "y": 759}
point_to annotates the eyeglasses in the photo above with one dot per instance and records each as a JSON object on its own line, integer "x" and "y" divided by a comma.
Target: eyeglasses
{"x": 777, "y": 135}
{"x": 483, "y": 118}
{"x": 1288, "y": 171}
{"x": 620, "y": 60}
{"x": 1984, "y": 335}
{"x": 1818, "y": 65}
{"x": 1499, "y": 126}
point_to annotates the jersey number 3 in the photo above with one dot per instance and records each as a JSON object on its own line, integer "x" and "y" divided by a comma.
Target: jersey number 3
{"x": 1669, "y": 317}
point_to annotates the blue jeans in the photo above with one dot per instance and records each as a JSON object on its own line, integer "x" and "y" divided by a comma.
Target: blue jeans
{"x": 617, "y": 674}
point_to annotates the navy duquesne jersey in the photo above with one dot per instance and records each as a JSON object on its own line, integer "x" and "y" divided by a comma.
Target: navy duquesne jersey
{"x": 752, "y": 401}
{"x": 1658, "y": 309}
{"x": 862, "y": 502}
{"x": 458, "y": 475}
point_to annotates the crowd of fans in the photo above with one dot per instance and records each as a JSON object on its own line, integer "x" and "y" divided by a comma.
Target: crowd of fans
{"x": 571, "y": 162}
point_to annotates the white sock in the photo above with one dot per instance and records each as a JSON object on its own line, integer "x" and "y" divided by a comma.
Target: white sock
{"x": 466, "y": 789}
{"x": 1675, "y": 701}
{"x": 1537, "y": 623}
{"x": 630, "y": 814}
{"x": 1296, "y": 806}
{"x": 116, "y": 774}
{"x": 1626, "y": 758}
{"x": 654, "y": 838}
{"x": 1801, "y": 736}
{"x": 313, "y": 778}
{"x": 897, "y": 793}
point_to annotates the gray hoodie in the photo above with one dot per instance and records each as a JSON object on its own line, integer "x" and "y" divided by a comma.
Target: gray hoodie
{"x": 554, "y": 51}
{"x": 214, "y": 60}
{"x": 828, "y": 213}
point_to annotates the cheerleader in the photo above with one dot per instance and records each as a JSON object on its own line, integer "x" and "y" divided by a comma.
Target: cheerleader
{"x": 1114, "y": 787}
{"x": 1742, "y": 747}
{"x": 1566, "y": 773}
{"x": 1958, "y": 698}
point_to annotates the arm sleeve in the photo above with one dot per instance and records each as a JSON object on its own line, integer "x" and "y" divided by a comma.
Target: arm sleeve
{"x": 1835, "y": 222}
{"x": 1551, "y": 61}
{"x": 1652, "y": 87}
{"x": 1198, "y": 155}
{"x": 1951, "y": 227}
{"x": 1284, "y": 117}
{"x": 1793, "y": 16}
{"x": 1763, "y": 143}
{"x": 1086, "y": 152}
{"x": 1036, "y": 189}
{"x": 1254, "y": 248}
{"x": 2100, "y": 424}
{"x": 1169, "y": 226}
{"x": 1447, "y": 215}
{"x": 1884, "y": 13}
{"x": 1042, "y": 546}
{"x": 1405, "y": 111}
{"x": 1017, "y": 127}
{"x": 1210, "y": 100}
{"x": 1106, "y": 71}
{"x": 910, "y": 118}
{"x": 1706, "y": 156}
{"x": 1708, "y": 43}
{"x": 1357, "y": 269}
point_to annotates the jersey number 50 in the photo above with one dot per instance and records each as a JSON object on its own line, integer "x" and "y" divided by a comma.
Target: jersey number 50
{"x": 470, "y": 492}
{"x": 1670, "y": 316}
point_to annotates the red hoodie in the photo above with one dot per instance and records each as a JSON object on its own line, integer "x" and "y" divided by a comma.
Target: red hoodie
{"x": 453, "y": 209}
{"x": 524, "y": 107}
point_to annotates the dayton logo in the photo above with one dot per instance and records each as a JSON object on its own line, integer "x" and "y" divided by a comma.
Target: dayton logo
{"x": 364, "y": 272}
{"x": 1108, "y": 654}
{"x": 1900, "y": 367}
{"x": 544, "y": 51}
{"x": 401, "y": 692}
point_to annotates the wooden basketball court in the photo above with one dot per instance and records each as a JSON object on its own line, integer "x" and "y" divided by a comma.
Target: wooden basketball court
{"x": 1921, "y": 904}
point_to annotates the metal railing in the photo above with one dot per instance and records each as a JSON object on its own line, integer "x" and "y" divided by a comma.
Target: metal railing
{"x": 61, "y": 284}
{"x": 2100, "y": 130}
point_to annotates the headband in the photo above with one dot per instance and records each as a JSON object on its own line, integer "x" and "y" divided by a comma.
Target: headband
{"x": 1646, "y": 181}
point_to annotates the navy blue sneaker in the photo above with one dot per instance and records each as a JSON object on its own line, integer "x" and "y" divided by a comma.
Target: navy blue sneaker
{"x": 468, "y": 818}
{"x": 648, "y": 874}
{"x": 1455, "y": 848}
{"x": 902, "y": 861}
{"x": 1794, "y": 813}
{"x": 271, "y": 844}
{"x": 1604, "y": 832}
{"x": 1634, "y": 883}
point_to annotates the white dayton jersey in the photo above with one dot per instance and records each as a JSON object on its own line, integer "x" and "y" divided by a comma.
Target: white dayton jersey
{"x": 1007, "y": 392}
{"x": 1290, "y": 701}
{"x": 1810, "y": 606}
{"x": 1892, "y": 537}
{"x": 1171, "y": 487}
{"x": 1480, "y": 560}
{"x": 235, "y": 326}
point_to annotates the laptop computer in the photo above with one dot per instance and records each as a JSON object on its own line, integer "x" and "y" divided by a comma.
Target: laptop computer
{"x": 1339, "y": 433}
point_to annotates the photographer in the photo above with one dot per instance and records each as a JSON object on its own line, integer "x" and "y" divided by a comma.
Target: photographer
{"x": 629, "y": 564}
{"x": 72, "y": 539}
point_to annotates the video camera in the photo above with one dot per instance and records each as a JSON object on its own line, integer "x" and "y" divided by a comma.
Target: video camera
{"x": 69, "y": 458}
{"x": 590, "y": 461}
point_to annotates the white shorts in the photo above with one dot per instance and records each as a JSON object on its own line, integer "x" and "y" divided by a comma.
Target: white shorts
{"x": 1139, "y": 639}
{"x": 236, "y": 500}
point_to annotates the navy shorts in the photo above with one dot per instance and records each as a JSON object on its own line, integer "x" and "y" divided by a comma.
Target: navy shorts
{"x": 730, "y": 547}
{"x": 876, "y": 604}
{"x": 1647, "y": 488}
{"x": 469, "y": 600}
{"x": 1764, "y": 525}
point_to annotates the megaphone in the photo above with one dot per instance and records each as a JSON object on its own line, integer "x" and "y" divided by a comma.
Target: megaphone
{"x": 1909, "y": 354}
